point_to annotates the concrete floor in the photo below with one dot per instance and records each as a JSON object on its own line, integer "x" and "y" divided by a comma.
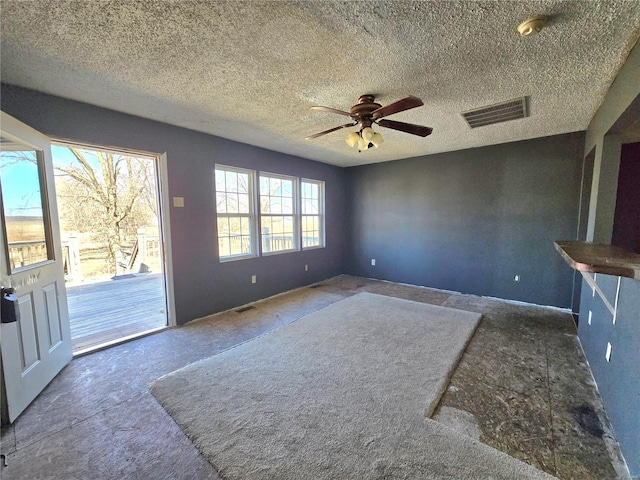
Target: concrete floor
{"x": 522, "y": 386}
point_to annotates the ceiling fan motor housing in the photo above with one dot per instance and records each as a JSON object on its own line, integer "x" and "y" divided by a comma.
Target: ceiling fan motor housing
{"x": 361, "y": 112}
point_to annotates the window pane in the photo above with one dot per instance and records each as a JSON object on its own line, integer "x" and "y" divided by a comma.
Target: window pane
{"x": 243, "y": 203}
{"x": 232, "y": 203}
{"x": 264, "y": 185}
{"x": 243, "y": 183}
{"x": 245, "y": 227}
{"x": 287, "y": 205}
{"x": 264, "y": 204}
{"x": 265, "y": 225}
{"x": 23, "y": 201}
{"x": 220, "y": 183}
{"x": 238, "y": 235}
{"x": 287, "y": 188}
{"x": 234, "y": 226}
{"x": 277, "y": 233}
{"x": 234, "y": 196}
{"x": 276, "y": 225}
{"x": 223, "y": 226}
{"x": 312, "y": 207}
{"x": 311, "y": 231}
{"x": 246, "y": 244}
{"x": 231, "y": 178}
{"x": 276, "y": 205}
{"x": 274, "y": 186}
{"x": 223, "y": 246}
{"x": 221, "y": 202}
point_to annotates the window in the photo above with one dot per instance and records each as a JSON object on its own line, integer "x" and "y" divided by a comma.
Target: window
{"x": 290, "y": 215}
{"x": 278, "y": 213}
{"x": 25, "y": 205}
{"x": 311, "y": 213}
{"x": 235, "y": 208}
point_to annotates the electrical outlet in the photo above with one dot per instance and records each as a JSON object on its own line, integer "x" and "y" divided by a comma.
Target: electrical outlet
{"x": 306, "y": 268}
{"x": 373, "y": 262}
{"x": 254, "y": 278}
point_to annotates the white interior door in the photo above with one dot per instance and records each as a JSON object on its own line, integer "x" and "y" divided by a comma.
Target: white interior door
{"x": 38, "y": 345}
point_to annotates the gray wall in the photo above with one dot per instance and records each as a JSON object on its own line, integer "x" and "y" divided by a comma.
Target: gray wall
{"x": 471, "y": 220}
{"x": 203, "y": 285}
{"x": 618, "y": 380}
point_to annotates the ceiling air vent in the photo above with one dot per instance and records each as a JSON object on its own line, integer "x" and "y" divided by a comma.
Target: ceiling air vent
{"x": 497, "y": 113}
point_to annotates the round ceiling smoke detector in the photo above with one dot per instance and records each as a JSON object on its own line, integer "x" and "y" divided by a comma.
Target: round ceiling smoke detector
{"x": 532, "y": 25}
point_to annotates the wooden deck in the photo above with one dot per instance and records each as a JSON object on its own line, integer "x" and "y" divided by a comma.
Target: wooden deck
{"x": 107, "y": 311}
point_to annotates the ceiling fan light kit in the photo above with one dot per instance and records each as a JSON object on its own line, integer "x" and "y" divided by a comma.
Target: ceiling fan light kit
{"x": 364, "y": 139}
{"x": 366, "y": 113}
{"x": 352, "y": 139}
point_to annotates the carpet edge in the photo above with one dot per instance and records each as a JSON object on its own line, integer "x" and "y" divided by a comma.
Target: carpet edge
{"x": 434, "y": 405}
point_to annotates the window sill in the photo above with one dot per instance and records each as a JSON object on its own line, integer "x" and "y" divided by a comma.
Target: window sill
{"x": 317, "y": 247}
{"x": 268, "y": 254}
{"x": 235, "y": 258}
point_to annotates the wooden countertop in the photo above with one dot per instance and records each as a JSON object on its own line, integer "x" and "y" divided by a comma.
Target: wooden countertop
{"x": 600, "y": 258}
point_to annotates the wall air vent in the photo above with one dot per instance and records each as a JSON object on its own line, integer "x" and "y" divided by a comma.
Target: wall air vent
{"x": 497, "y": 113}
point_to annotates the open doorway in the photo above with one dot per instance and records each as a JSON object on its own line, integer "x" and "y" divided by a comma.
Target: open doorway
{"x": 112, "y": 244}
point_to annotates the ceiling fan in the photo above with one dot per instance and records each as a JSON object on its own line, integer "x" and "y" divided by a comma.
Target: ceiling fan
{"x": 366, "y": 113}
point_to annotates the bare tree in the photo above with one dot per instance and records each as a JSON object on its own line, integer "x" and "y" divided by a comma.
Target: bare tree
{"x": 111, "y": 200}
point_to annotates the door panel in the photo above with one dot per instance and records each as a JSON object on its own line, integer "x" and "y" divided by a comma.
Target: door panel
{"x": 53, "y": 315}
{"x": 38, "y": 345}
{"x": 28, "y": 334}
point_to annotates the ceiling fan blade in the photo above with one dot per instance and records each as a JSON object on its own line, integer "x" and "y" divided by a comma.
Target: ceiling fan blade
{"x": 331, "y": 110}
{"x": 406, "y": 127}
{"x": 330, "y": 130}
{"x": 399, "y": 106}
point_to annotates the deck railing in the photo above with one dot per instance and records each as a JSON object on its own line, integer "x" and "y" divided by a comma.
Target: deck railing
{"x": 22, "y": 254}
{"x": 276, "y": 243}
{"x": 241, "y": 244}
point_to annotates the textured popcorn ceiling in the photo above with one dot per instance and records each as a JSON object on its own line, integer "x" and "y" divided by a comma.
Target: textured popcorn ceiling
{"x": 250, "y": 70}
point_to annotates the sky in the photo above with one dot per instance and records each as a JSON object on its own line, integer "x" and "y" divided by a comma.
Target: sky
{"x": 20, "y": 185}
{"x": 20, "y": 181}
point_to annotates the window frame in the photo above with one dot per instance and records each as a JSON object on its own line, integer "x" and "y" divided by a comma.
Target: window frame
{"x": 252, "y": 216}
{"x": 320, "y": 214}
{"x": 295, "y": 197}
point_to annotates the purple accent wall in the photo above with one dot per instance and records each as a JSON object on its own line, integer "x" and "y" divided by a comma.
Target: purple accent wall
{"x": 626, "y": 221}
{"x": 468, "y": 220}
{"x": 471, "y": 220}
{"x": 202, "y": 284}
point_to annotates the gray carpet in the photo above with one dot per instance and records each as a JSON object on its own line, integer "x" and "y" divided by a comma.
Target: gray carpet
{"x": 343, "y": 393}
